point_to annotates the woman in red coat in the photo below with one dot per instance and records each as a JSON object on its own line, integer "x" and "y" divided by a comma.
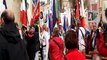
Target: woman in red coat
{"x": 71, "y": 43}
{"x": 56, "y": 46}
{"x": 101, "y": 45}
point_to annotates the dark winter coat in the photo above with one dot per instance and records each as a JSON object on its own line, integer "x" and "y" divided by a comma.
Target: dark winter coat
{"x": 15, "y": 47}
{"x": 3, "y": 48}
{"x": 33, "y": 44}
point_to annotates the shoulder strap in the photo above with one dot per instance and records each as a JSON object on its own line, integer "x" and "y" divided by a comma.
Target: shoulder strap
{"x": 83, "y": 37}
{"x": 56, "y": 43}
{"x": 59, "y": 48}
{"x": 82, "y": 33}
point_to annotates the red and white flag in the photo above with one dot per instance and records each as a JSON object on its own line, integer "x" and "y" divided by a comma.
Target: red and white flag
{"x": 23, "y": 17}
{"x": 82, "y": 14}
{"x": 77, "y": 13}
{"x": 36, "y": 11}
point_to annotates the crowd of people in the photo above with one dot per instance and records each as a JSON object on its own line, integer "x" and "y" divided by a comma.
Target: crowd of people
{"x": 36, "y": 43}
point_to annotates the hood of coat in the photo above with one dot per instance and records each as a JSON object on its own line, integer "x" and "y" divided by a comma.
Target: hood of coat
{"x": 11, "y": 33}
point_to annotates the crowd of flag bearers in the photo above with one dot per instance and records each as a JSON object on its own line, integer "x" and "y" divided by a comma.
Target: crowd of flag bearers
{"x": 49, "y": 39}
{"x": 38, "y": 44}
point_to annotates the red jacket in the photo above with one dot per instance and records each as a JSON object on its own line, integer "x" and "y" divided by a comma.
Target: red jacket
{"x": 54, "y": 50}
{"x": 75, "y": 55}
{"x": 101, "y": 47}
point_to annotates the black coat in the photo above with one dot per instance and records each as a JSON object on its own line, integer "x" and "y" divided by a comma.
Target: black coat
{"x": 15, "y": 47}
{"x": 33, "y": 44}
{"x": 3, "y": 48}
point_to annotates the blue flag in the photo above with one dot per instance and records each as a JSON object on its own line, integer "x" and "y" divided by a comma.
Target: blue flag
{"x": 64, "y": 24}
{"x": 54, "y": 13}
{"x": 50, "y": 25}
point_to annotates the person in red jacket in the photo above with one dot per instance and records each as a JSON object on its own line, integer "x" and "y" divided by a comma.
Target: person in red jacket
{"x": 71, "y": 43}
{"x": 101, "y": 45}
{"x": 56, "y": 46}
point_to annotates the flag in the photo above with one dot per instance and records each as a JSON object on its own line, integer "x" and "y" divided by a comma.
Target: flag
{"x": 64, "y": 24}
{"x": 77, "y": 13}
{"x": 57, "y": 5}
{"x": 36, "y": 11}
{"x": 73, "y": 22}
{"x": 34, "y": 4}
{"x": 82, "y": 14}
{"x": 32, "y": 21}
{"x": 4, "y": 2}
{"x": 54, "y": 13}
{"x": 50, "y": 24}
{"x": 23, "y": 17}
{"x": 82, "y": 10}
{"x": 82, "y": 22}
